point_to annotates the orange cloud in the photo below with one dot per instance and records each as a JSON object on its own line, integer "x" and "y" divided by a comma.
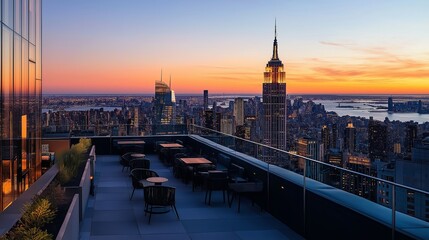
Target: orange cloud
{"x": 369, "y": 70}
{"x": 378, "y": 70}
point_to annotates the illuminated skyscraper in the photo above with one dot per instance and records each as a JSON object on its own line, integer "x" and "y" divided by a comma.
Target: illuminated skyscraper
{"x": 274, "y": 101}
{"x": 310, "y": 148}
{"x": 20, "y": 97}
{"x": 164, "y": 104}
{"x": 350, "y": 138}
{"x": 325, "y": 138}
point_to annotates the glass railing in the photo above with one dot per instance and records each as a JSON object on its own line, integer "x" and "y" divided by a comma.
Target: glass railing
{"x": 366, "y": 184}
{"x": 75, "y": 130}
{"x": 361, "y": 181}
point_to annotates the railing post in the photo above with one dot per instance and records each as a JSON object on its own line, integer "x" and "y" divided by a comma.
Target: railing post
{"x": 303, "y": 196}
{"x": 393, "y": 211}
{"x": 268, "y": 188}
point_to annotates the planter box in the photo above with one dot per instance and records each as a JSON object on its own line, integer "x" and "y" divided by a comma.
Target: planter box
{"x": 70, "y": 228}
{"x": 13, "y": 213}
{"x": 84, "y": 188}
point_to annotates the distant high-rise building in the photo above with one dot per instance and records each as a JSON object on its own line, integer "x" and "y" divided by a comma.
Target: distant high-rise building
{"x": 226, "y": 125}
{"x": 414, "y": 174}
{"x": 334, "y": 136}
{"x": 274, "y": 101}
{"x": 390, "y": 104}
{"x": 239, "y": 111}
{"x": 310, "y": 148}
{"x": 209, "y": 119}
{"x": 240, "y": 131}
{"x": 136, "y": 121}
{"x": 377, "y": 140}
{"x": 325, "y": 138}
{"x": 410, "y": 136}
{"x": 350, "y": 138}
{"x": 250, "y": 122}
{"x": 206, "y": 100}
{"x": 164, "y": 103}
{"x": 164, "y": 108}
{"x": 353, "y": 183}
{"x": 217, "y": 120}
{"x": 20, "y": 98}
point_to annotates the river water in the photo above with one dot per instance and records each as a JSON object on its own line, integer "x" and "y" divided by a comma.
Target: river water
{"x": 359, "y": 108}
{"x": 363, "y": 109}
{"x": 82, "y": 108}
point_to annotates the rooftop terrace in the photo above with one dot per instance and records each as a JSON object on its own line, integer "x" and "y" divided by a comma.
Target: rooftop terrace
{"x": 111, "y": 215}
{"x": 295, "y": 205}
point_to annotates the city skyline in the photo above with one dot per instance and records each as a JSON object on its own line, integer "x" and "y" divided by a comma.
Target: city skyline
{"x": 327, "y": 48}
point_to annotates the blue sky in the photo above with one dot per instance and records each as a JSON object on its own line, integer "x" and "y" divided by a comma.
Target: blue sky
{"x": 106, "y": 43}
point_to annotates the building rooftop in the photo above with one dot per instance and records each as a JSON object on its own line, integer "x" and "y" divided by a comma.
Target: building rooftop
{"x": 111, "y": 215}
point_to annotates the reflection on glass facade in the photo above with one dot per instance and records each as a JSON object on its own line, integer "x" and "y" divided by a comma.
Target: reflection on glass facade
{"x": 20, "y": 97}
{"x": 164, "y": 103}
{"x": 164, "y": 108}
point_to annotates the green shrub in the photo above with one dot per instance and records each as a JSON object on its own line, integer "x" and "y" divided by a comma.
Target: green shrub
{"x": 70, "y": 160}
{"x": 35, "y": 234}
{"x": 54, "y": 193}
{"x": 35, "y": 216}
{"x": 38, "y": 213}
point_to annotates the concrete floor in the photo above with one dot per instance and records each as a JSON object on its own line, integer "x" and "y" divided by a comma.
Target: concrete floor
{"x": 111, "y": 215}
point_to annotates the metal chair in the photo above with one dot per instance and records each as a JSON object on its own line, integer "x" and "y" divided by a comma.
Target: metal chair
{"x": 139, "y": 174}
{"x": 125, "y": 160}
{"x": 139, "y": 163}
{"x": 159, "y": 199}
{"x": 216, "y": 181}
{"x": 200, "y": 174}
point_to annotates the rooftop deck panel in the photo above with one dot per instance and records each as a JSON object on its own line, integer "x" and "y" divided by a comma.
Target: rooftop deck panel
{"x": 111, "y": 215}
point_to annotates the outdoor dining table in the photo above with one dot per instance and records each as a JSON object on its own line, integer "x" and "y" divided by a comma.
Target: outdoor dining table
{"x": 195, "y": 160}
{"x": 171, "y": 145}
{"x": 138, "y": 155}
{"x": 157, "y": 180}
{"x": 131, "y": 142}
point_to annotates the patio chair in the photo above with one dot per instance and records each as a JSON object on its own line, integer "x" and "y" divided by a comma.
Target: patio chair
{"x": 200, "y": 174}
{"x": 216, "y": 181}
{"x": 159, "y": 199}
{"x": 139, "y": 163}
{"x": 178, "y": 164}
{"x": 125, "y": 160}
{"x": 139, "y": 174}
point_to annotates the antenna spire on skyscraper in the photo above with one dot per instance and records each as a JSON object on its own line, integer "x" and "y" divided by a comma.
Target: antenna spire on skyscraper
{"x": 170, "y": 81}
{"x": 275, "y": 28}
{"x": 275, "y": 51}
{"x": 161, "y": 74}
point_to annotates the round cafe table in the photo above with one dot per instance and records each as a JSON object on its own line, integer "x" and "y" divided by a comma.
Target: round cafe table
{"x": 138, "y": 155}
{"x": 157, "y": 180}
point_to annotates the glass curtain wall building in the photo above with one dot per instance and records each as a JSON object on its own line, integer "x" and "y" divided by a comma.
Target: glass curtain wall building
{"x": 20, "y": 97}
{"x": 164, "y": 108}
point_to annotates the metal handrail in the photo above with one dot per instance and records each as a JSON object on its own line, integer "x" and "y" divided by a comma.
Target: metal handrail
{"x": 283, "y": 151}
{"x": 317, "y": 161}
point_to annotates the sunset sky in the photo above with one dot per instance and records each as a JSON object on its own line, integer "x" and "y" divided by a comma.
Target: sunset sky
{"x": 328, "y": 47}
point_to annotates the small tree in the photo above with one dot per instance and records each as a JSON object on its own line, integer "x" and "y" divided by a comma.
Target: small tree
{"x": 70, "y": 160}
{"x": 34, "y": 217}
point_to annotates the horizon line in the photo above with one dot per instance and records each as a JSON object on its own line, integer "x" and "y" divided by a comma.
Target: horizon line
{"x": 239, "y": 94}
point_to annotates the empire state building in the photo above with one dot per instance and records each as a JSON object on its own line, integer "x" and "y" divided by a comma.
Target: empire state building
{"x": 274, "y": 101}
